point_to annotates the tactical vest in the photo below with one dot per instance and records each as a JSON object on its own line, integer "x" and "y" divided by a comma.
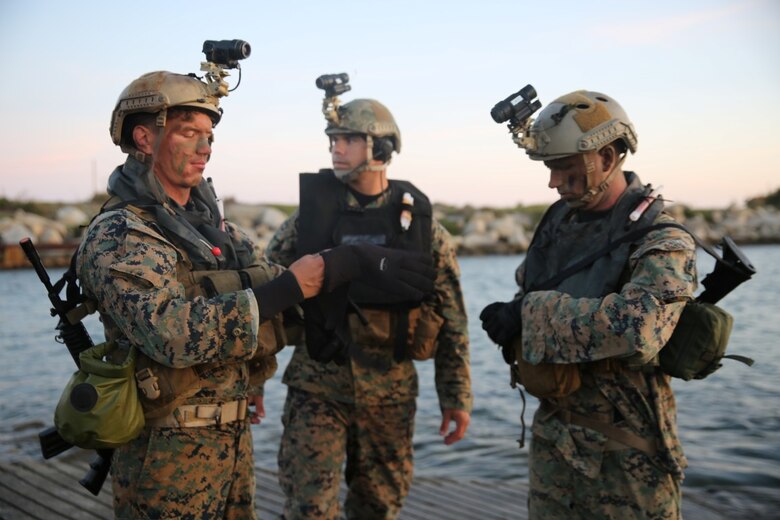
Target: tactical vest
{"x": 326, "y": 220}
{"x": 163, "y": 388}
{"x": 562, "y": 243}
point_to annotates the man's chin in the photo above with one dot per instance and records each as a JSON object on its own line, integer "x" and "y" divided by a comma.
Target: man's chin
{"x": 573, "y": 201}
{"x": 346, "y": 175}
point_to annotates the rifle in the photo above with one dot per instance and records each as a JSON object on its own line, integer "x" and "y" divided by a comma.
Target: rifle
{"x": 74, "y": 335}
{"x": 731, "y": 269}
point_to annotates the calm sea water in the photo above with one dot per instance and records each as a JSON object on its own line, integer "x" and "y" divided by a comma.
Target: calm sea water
{"x": 729, "y": 423}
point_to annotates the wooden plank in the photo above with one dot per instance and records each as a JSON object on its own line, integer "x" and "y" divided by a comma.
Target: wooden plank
{"x": 269, "y": 500}
{"x": 43, "y": 490}
{"x": 448, "y": 498}
{"x": 11, "y": 506}
{"x": 511, "y": 494}
{"x": 426, "y": 497}
{"x": 68, "y": 489}
{"x": 28, "y": 495}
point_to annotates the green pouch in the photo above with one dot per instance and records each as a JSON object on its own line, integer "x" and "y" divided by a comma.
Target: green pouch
{"x": 99, "y": 407}
{"x": 698, "y": 342}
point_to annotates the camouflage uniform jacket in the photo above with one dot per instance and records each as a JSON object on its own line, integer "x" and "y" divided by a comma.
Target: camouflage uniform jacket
{"x": 356, "y": 384}
{"x": 130, "y": 270}
{"x": 631, "y": 324}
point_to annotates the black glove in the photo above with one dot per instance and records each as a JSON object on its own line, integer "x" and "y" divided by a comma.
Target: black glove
{"x": 277, "y": 295}
{"x": 408, "y": 274}
{"x": 503, "y": 322}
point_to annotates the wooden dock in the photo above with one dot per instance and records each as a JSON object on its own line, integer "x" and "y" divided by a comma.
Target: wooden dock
{"x": 44, "y": 490}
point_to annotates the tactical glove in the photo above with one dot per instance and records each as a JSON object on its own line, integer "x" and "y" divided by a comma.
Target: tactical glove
{"x": 503, "y": 322}
{"x": 408, "y": 274}
{"x": 277, "y": 295}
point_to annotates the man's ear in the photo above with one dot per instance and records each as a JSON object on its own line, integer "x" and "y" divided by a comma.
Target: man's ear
{"x": 144, "y": 139}
{"x": 609, "y": 157}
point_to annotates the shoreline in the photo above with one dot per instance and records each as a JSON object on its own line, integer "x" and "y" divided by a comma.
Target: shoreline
{"x": 56, "y": 229}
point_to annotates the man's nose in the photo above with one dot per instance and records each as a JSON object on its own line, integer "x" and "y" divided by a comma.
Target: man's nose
{"x": 204, "y": 146}
{"x": 555, "y": 179}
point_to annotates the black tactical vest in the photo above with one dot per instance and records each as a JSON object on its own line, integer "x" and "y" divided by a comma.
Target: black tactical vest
{"x": 325, "y": 220}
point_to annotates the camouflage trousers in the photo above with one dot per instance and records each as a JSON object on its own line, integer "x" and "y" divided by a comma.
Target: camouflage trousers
{"x": 320, "y": 433}
{"x": 186, "y": 473}
{"x": 628, "y": 487}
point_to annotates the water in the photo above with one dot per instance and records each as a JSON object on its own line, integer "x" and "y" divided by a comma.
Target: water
{"x": 729, "y": 423}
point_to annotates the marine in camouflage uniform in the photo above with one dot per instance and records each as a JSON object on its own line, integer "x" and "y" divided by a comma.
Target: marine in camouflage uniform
{"x": 360, "y": 409}
{"x": 198, "y": 349}
{"x": 608, "y": 447}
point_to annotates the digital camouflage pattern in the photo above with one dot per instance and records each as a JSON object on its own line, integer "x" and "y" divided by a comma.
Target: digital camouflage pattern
{"x": 628, "y": 489}
{"x": 311, "y": 464}
{"x": 364, "y": 392}
{"x": 197, "y": 473}
{"x": 631, "y": 324}
{"x": 130, "y": 270}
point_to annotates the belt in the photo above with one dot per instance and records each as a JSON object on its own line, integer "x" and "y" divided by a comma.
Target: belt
{"x": 199, "y": 415}
{"x": 617, "y": 438}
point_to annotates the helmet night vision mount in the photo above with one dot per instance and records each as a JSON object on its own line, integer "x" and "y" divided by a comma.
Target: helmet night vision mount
{"x": 156, "y": 92}
{"x": 221, "y": 55}
{"x": 334, "y": 85}
{"x": 518, "y": 109}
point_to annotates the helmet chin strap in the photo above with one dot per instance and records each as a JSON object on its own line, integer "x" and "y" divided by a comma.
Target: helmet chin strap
{"x": 595, "y": 192}
{"x": 347, "y": 176}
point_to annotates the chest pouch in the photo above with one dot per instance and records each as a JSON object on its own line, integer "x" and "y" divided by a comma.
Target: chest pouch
{"x": 381, "y": 329}
{"x": 99, "y": 407}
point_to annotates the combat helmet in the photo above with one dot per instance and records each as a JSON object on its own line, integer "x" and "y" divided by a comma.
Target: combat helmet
{"x": 372, "y": 119}
{"x": 154, "y": 93}
{"x": 579, "y": 122}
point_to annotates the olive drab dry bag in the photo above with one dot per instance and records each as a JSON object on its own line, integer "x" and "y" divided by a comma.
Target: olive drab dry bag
{"x": 698, "y": 342}
{"x": 99, "y": 407}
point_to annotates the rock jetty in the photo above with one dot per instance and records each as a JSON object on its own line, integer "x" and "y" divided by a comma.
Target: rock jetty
{"x": 476, "y": 231}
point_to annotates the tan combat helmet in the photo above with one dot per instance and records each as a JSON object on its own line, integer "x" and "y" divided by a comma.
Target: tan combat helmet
{"x": 579, "y": 122}
{"x": 370, "y": 118}
{"x": 156, "y": 92}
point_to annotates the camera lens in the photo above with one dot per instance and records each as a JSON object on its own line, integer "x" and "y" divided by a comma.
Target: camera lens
{"x": 502, "y": 111}
{"x": 226, "y": 52}
{"x": 324, "y": 81}
{"x": 242, "y": 49}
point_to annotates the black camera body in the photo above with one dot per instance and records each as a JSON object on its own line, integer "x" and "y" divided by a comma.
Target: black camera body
{"x": 226, "y": 53}
{"x": 334, "y": 84}
{"x": 517, "y": 107}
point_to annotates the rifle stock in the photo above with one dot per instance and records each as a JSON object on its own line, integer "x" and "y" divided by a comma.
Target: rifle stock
{"x": 77, "y": 340}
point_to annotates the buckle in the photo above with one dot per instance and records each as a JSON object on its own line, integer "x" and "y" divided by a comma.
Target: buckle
{"x": 147, "y": 382}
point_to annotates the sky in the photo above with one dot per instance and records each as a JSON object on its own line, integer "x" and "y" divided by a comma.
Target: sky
{"x": 700, "y": 80}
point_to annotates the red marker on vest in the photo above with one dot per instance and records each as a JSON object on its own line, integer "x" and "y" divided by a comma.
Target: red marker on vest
{"x": 216, "y": 251}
